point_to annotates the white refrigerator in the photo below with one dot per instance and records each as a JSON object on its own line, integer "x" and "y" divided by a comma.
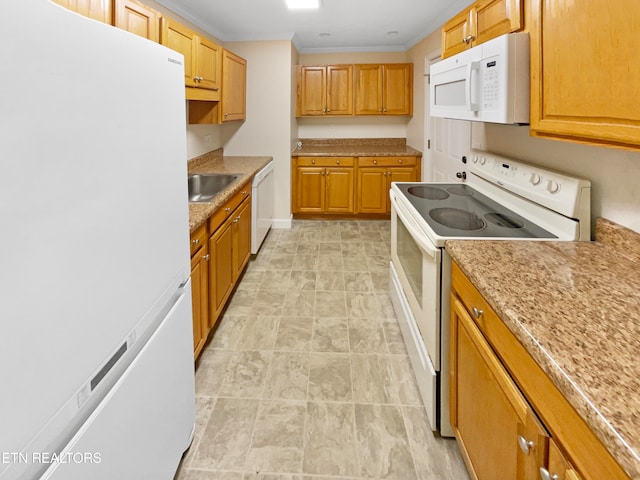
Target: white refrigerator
{"x": 96, "y": 345}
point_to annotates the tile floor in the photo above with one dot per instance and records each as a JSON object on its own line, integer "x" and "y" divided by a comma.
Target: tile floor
{"x": 307, "y": 376}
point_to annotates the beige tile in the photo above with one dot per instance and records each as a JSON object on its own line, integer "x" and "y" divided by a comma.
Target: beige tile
{"x": 294, "y": 333}
{"x": 379, "y": 264}
{"x": 382, "y": 443}
{"x": 329, "y": 447}
{"x": 273, "y": 476}
{"x": 329, "y": 377}
{"x": 435, "y": 457}
{"x": 393, "y": 336}
{"x": 366, "y": 336}
{"x": 372, "y": 379}
{"x": 204, "y": 407}
{"x": 302, "y": 280}
{"x": 277, "y": 280}
{"x": 376, "y": 249}
{"x": 281, "y": 262}
{"x": 330, "y": 263}
{"x": 288, "y": 376}
{"x": 358, "y": 282}
{"x": 305, "y": 262}
{"x": 246, "y": 374}
{"x": 299, "y": 303}
{"x": 190, "y": 474}
{"x": 350, "y": 236}
{"x": 308, "y": 249}
{"x": 241, "y": 300}
{"x": 363, "y": 305}
{"x": 386, "y": 307}
{"x": 210, "y": 370}
{"x": 229, "y": 331}
{"x": 352, "y": 249}
{"x": 327, "y": 281}
{"x": 268, "y": 302}
{"x": 259, "y": 333}
{"x": 330, "y": 304}
{"x": 330, "y": 335}
{"x": 286, "y": 247}
{"x": 404, "y": 382}
{"x": 278, "y": 437}
{"x": 227, "y": 436}
{"x": 329, "y": 249}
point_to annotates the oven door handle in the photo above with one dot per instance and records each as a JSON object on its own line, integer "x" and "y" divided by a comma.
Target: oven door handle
{"x": 410, "y": 225}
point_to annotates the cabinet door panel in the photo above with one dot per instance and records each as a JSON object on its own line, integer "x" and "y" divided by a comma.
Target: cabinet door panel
{"x": 569, "y": 66}
{"x": 234, "y": 91}
{"x": 493, "y": 18}
{"x": 138, "y": 19}
{"x": 368, "y": 83}
{"x": 339, "y": 90}
{"x": 398, "y": 94}
{"x": 454, "y": 32}
{"x": 221, "y": 269}
{"x": 241, "y": 237}
{"x": 559, "y": 465}
{"x": 200, "y": 299}
{"x": 372, "y": 190}
{"x": 209, "y": 63}
{"x": 310, "y": 190}
{"x": 488, "y": 407}
{"x": 339, "y": 190}
{"x": 312, "y": 84}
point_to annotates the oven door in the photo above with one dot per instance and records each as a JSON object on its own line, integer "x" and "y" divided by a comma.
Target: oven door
{"x": 415, "y": 290}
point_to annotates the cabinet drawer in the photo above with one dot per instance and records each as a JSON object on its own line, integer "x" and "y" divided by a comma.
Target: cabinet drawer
{"x": 198, "y": 238}
{"x": 325, "y": 161}
{"x": 228, "y": 207}
{"x": 386, "y": 161}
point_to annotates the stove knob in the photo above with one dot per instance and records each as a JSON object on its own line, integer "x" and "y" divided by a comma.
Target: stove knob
{"x": 475, "y": 159}
{"x": 483, "y": 160}
{"x": 553, "y": 186}
{"x": 535, "y": 179}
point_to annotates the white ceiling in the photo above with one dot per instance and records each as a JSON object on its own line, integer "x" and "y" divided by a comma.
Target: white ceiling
{"x": 352, "y": 25}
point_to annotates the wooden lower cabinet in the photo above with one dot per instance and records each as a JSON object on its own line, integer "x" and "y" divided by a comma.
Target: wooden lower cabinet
{"x": 494, "y": 386}
{"x": 200, "y": 298}
{"x": 374, "y": 178}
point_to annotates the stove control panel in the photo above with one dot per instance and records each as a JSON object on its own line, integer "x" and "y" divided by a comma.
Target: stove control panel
{"x": 548, "y": 188}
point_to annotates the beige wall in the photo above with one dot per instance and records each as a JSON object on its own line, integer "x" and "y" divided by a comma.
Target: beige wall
{"x": 270, "y": 114}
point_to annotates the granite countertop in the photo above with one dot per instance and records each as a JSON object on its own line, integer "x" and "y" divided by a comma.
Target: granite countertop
{"x": 216, "y": 162}
{"x": 575, "y": 306}
{"x": 355, "y": 147}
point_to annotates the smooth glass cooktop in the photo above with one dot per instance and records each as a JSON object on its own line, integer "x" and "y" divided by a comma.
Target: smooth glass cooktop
{"x": 458, "y": 210}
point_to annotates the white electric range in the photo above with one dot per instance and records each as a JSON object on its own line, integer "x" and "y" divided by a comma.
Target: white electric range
{"x": 501, "y": 198}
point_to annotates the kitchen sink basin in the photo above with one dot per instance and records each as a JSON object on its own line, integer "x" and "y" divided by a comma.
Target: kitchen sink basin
{"x": 203, "y": 187}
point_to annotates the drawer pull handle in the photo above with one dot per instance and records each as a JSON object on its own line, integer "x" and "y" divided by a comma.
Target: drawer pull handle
{"x": 245, "y": 192}
{"x": 228, "y": 209}
{"x": 400, "y": 160}
{"x": 545, "y": 475}
{"x": 337, "y": 162}
{"x": 525, "y": 445}
{"x": 196, "y": 241}
{"x": 477, "y": 312}
{"x": 313, "y": 162}
{"x": 375, "y": 162}
{"x": 206, "y": 257}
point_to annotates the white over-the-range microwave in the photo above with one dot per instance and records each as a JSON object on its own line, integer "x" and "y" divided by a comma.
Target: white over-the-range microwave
{"x": 487, "y": 83}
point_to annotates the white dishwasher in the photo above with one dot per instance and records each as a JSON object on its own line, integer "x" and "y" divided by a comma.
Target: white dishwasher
{"x": 261, "y": 206}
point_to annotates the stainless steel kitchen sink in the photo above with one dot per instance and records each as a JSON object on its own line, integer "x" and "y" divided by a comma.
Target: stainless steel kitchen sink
{"x": 203, "y": 187}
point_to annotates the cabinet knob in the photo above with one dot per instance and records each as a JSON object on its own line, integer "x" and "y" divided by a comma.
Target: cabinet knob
{"x": 399, "y": 160}
{"x": 375, "y": 162}
{"x": 525, "y": 445}
{"x": 226, "y": 115}
{"x": 384, "y": 110}
{"x": 245, "y": 192}
{"x": 478, "y": 313}
{"x": 228, "y": 209}
{"x": 545, "y": 475}
{"x": 313, "y": 162}
{"x": 468, "y": 39}
{"x": 206, "y": 257}
{"x": 337, "y": 162}
{"x": 196, "y": 241}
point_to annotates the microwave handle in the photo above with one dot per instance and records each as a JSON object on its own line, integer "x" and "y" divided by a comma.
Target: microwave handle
{"x": 471, "y": 66}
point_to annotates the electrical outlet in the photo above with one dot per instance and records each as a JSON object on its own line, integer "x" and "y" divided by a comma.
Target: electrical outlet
{"x": 207, "y": 141}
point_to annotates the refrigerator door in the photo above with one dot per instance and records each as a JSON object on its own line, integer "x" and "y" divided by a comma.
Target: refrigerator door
{"x": 94, "y": 212}
{"x": 141, "y": 406}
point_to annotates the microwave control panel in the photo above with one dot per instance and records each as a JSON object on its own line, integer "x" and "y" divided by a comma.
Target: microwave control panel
{"x": 490, "y": 80}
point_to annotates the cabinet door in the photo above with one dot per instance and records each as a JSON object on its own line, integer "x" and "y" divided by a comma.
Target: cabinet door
{"x": 339, "y": 190}
{"x": 208, "y": 60}
{"x": 234, "y": 87}
{"x": 221, "y": 268}
{"x": 136, "y": 18}
{"x": 398, "y": 89}
{"x": 312, "y": 92}
{"x": 584, "y": 73}
{"x": 492, "y": 18}
{"x": 309, "y": 190}
{"x": 241, "y": 237}
{"x": 398, "y": 174}
{"x": 559, "y": 466}
{"x": 200, "y": 299}
{"x": 181, "y": 39}
{"x": 97, "y": 9}
{"x": 339, "y": 90}
{"x": 372, "y": 190}
{"x": 368, "y": 83}
{"x": 454, "y": 33}
{"x": 487, "y": 410}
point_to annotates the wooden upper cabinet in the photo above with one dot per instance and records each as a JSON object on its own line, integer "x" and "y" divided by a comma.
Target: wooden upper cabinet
{"x": 137, "y": 18}
{"x": 202, "y": 72}
{"x": 97, "y": 9}
{"x": 234, "y": 87}
{"x": 385, "y": 89}
{"x": 482, "y": 21}
{"x": 325, "y": 90}
{"x": 585, "y": 79}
